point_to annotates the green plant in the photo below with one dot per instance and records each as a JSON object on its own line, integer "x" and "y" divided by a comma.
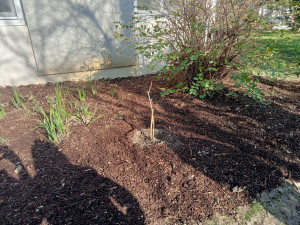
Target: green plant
{"x": 256, "y": 207}
{"x": 2, "y": 140}
{"x": 286, "y": 51}
{"x": 81, "y": 94}
{"x": 17, "y": 99}
{"x": 88, "y": 117}
{"x": 2, "y": 112}
{"x": 56, "y": 121}
{"x": 200, "y": 42}
{"x": 92, "y": 86}
{"x": 113, "y": 91}
{"x": 251, "y": 90}
{"x": 202, "y": 87}
{"x": 94, "y": 90}
{"x": 66, "y": 88}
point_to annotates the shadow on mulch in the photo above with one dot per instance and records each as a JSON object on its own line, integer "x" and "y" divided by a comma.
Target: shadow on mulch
{"x": 228, "y": 145}
{"x": 255, "y": 156}
{"x": 243, "y": 159}
{"x": 62, "y": 193}
{"x": 284, "y": 85}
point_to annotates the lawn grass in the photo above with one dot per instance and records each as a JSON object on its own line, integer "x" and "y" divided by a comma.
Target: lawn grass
{"x": 287, "y": 48}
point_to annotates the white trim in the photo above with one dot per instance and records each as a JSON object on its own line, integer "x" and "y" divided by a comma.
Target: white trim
{"x": 16, "y": 20}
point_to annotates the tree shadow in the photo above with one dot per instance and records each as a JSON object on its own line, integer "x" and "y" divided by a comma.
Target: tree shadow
{"x": 240, "y": 143}
{"x": 246, "y": 158}
{"x": 247, "y": 122}
{"x": 62, "y": 193}
{"x": 289, "y": 86}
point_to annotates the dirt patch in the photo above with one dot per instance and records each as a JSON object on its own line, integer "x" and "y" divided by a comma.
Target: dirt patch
{"x": 231, "y": 150}
{"x": 142, "y": 138}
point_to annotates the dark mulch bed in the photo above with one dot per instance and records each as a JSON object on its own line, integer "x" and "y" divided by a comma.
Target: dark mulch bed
{"x": 98, "y": 176}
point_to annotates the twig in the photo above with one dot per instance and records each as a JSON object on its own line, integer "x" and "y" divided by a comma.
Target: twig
{"x": 151, "y": 131}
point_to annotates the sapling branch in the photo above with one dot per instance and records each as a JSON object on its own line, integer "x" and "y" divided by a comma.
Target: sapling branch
{"x": 151, "y": 131}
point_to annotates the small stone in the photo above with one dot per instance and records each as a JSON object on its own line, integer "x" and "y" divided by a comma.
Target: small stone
{"x": 191, "y": 177}
{"x": 18, "y": 169}
{"x": 238, "y": 109}
{"x": 62, "y": 182}
{"x": 39, "y": 208}
{"x": 238, "y": 189}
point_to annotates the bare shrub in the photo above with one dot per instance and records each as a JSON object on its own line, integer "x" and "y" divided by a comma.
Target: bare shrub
{"x": 200, "y": 41}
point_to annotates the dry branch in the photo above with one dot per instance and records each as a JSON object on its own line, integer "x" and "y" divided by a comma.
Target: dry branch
{"x": 151, "y": 131}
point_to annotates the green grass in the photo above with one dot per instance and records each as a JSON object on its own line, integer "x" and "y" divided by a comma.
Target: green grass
{"x": 286, "y": 45}
{"x": 81, "y": 94}
{"x": 56, "y": 122}
{"x": 2, "y": 112}
{"x": 92, "y": 85}
{"x": 256, "y": 207}
{"x": 2, "y": 140}
{"x": 88, "y": 117}
{"x": 17, "y": 99}
{"x": 113, "y": 91}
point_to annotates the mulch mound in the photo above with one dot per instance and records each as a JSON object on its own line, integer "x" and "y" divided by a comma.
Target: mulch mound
{"x": 230, "y": 150}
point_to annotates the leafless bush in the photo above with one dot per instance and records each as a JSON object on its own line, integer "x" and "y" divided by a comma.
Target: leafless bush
{"x": 199, "y": 40}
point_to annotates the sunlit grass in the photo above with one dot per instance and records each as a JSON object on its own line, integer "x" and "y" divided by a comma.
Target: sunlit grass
{"x": 287, "y": 48}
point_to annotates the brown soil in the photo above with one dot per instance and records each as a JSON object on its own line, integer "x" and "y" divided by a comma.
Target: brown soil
{"x": 99, "y": 176}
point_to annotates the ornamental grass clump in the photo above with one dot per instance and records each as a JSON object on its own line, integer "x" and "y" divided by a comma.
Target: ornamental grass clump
{"x": 87, "y": 116}
{"x": 82, "y": 94}
{"x": 200, "y": 43}
{"x": 18, "y": 99}
{"x": 56, "y": 121}
{"x": 92, "y": 85}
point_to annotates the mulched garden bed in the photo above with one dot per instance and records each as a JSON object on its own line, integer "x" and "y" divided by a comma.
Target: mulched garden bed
{"x": 230, "y": 150}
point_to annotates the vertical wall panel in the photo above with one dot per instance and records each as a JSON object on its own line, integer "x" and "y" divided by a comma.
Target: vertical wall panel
{"x": 77, "y": 35}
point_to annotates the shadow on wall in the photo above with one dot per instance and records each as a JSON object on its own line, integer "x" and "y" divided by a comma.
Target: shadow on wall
{"x": 77, "y": 35}
{"x": 16, "y": 59}
{"x": 62, "y": 193}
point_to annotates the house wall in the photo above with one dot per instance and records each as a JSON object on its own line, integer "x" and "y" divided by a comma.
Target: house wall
{"x": 17, "y": 64}
{"x": 77, "y": 35}
{"x": 67, "y": 40}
